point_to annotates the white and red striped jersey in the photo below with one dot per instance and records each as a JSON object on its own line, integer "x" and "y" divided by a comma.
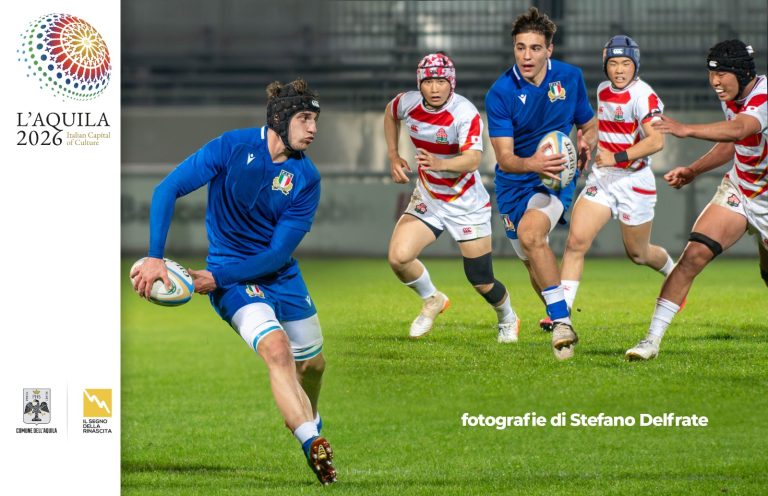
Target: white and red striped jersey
{"x": 621, "y": 115}
{"x": 750, "y": 162}
{"x": 445, "y": 133}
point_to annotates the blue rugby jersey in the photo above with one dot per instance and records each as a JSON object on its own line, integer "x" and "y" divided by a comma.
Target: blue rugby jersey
{"x": 516, "y": 108}
{"x": 248, "y": 195}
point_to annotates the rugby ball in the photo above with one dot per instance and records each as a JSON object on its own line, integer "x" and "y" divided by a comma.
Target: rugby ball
{"x": 182, "y": 287}
{"x": 555, "y": 143}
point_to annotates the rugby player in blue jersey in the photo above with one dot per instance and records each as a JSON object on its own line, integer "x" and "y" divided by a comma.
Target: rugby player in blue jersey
{"x": 263, "y": 192}
{"x": 535, "y": 96}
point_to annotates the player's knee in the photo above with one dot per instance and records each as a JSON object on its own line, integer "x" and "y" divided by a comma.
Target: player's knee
{"x": 479, "y": 271}
{"x": 275, "y": 349}
{"x": 695, "y": 257}
{"x": 532, "y": 240}
{"x": 398, "y": 258}
{"x": 577, "y": 243}
{"x": 637, "y": 256}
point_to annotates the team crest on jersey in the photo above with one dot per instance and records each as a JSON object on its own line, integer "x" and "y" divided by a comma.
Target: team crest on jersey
{"x": 441, "y": 137}
{"x": 508, "y": 225}
{"x": 283, "y": 182}
{"x": 556, "y": 91}
{"x": 254, "y": 291}
{"x": 591, "y": 191}
{"x": 733, "y": 201}
{"x": 421, "y": 208}
{"x": 619, "y": 115}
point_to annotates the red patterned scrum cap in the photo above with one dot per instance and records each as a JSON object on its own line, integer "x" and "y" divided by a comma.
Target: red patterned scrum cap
{"x": 436, "y": 66}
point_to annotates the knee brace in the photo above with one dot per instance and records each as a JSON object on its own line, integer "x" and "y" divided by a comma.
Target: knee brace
{"x": 479, "y": 270}
{"x": 710, "y": 243}
{"x": 496, "y": 294}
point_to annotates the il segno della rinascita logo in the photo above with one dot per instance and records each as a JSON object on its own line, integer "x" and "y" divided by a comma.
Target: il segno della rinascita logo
{"x": 66, "y": 56}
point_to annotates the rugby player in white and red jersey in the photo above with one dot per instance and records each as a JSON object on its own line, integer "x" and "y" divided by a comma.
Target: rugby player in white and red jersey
{"x": 621, "y": 184}
{"x": 741, "y": 201}
{"x": 446, "y": 130}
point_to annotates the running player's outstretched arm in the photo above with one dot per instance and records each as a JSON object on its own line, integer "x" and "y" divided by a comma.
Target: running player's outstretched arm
{"x": 718, "y": 155}
{"x": 723, "y": 131}
{"x": 192, "y": 173}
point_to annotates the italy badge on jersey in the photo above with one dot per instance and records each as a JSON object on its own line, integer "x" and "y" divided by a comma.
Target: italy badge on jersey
{"x": 283, "y": 182}
{"x": 556, "y": 91}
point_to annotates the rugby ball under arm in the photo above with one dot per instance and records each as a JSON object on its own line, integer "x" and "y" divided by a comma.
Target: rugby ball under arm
{"x": 182, "y": 286}
{"x": 555, "y": 143}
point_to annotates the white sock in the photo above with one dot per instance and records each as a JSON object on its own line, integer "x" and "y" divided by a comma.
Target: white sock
{"x": 667, "y": 266}
{"x": 423, "y": 285}
{"x": 555, "y": 296}
{"x": 662, "y": 317}
{"x": 317, "y": 418}
{"x": 569, "y": 289}
{"x": 305, "y": 431}
{"x": 504, "y": 310}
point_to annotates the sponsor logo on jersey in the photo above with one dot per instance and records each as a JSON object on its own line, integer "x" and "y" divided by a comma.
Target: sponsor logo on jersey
{"x": 619, "y": 115}
{"x": 733, "y": 201}
{"x": 556, "y": 91}
{"x": 37, "y": 406}
{"x": 522, "y": 98}
{"x": 251, "y": 156}
{"x": 254, "y": 291}
{"x": 421, "y": 208}
{"x": 600, "y": 109}
{"x": 591, "y": 191}
{"x": 308, "y": 300}
{"x": 414, "y": 128}
{"x": 283, "y": 182}
{"x": 441, "y": 137}
{"x": 508, "y": 225}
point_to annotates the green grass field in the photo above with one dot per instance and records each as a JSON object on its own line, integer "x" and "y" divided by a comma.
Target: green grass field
{"x": 198, "y": 417}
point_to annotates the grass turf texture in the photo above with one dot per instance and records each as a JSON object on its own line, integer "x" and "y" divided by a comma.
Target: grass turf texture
{"x": 198, "y": 416}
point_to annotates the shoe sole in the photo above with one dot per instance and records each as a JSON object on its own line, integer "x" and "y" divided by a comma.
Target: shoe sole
{"x": 562, "y": 343}
{"x": 517, "y": 335}
{"x": 564, "y": 353}
{"x": 636, "y": 357}
{"x": 324, "y": 469}
{"x": 445, "y": 307}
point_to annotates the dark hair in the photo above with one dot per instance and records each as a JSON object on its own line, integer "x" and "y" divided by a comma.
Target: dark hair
{"x": 534, "y": 22}
{"x": 276, "y": 89}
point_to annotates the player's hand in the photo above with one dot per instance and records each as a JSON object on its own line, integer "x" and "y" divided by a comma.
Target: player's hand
{"x": 427, "y": 160}
{"x": 398, "y": 165}
{"x": 604, "y": 158}
{"x": 549, "y": 165}
{"x": 667, "y": 125}
{"x": 203, "y": 280}
{"x": 145, "y": 275}
{"x": 585, "y": 154}
{"x": 679, "y": 177}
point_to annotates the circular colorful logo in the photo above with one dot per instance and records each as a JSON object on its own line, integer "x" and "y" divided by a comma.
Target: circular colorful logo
{"x": 66, "y": 55}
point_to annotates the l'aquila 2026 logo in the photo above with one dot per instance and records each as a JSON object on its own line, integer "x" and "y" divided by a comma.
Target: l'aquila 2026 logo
{"x": 67, "y": 57}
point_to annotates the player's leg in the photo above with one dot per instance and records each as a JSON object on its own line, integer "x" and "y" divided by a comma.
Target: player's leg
{"x": 716, "y": 230}
{"x": 306, "y": 339}
{"x": 534, "y": 228}
{"x": 587, "y": 219}
{"x": 637, "y": 245}
{"x": 410, "y": 237}
{"x": 478, "y": 267}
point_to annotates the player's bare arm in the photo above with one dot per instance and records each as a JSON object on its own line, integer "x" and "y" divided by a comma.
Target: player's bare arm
{"x": 204, "y": 281}
{"x": 720, "y": 154}
{"x": 467, "y": 161}
{"x": 550, "y": 165}
{"x": 398, "y": 165}
{"x": 652, "y": 143}
{"x": 586, "y": 139}
{"x": 147, "y": 273}
{"x": 722, "y": 131}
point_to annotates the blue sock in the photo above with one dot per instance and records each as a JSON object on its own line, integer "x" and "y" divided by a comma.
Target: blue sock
{"x": 305, "y": 446}
{"x": 557, "y": 308}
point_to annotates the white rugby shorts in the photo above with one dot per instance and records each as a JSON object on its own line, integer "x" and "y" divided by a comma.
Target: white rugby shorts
{"x": 464, "y": 227}
{"x": 631, "y": 195}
